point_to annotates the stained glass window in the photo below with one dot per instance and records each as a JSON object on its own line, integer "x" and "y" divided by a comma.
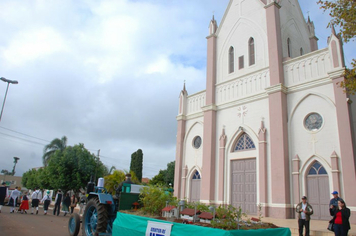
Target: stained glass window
{"x": 244, "y": 143}
{"x": 196, "y": 175}
{"x": 317, "y": 169}
{"x": 197, "y": 142}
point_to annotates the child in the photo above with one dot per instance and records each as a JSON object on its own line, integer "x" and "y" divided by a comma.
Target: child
{"x": 24, "y": 204}
{"x": 47, "y": 201}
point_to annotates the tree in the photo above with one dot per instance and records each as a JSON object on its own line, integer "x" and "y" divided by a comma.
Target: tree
{"x": 137, "y": 163}
{"x": 343, "y": 13}
{"x": 113, "y": 180}
{"x": 169, "y": 179}
{"x": 56, "y": 145}
{"x": 164, "y": 177}
{"x": 71, "y": 169}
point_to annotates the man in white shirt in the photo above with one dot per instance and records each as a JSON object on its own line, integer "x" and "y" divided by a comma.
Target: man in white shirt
{"x": 47, "y": 201}
{"x": 4, "y": 192}
{"x": 36, "y": 197}
{"x": 13, "y": 199}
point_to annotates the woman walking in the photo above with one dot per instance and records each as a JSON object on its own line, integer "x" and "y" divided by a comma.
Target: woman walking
{"x": 73, "y": 203}
{"x": 24, "y": 207}
{"x": 66, "y": 204}
{"x": 341, "y": 219}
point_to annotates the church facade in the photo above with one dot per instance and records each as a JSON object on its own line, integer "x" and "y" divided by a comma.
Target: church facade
{"x": 273, "y": 124}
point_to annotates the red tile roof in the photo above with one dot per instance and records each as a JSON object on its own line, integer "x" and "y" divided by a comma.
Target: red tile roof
{"x": 168, "y": 208}
{"x": 189, "y": 212}
{"x": 206, "y": 216}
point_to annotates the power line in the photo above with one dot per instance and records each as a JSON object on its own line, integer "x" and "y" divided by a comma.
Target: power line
{"x": 30, "y": 141}
{"x": 24, "y": 134}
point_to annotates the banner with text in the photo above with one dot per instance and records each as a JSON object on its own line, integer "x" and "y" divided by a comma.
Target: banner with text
{"x": 158, "y": 229}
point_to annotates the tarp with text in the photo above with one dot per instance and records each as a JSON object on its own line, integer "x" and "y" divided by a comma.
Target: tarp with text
{"x": 131, "y": 225}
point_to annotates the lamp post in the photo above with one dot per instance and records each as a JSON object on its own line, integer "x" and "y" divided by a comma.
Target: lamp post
{"x": 7, "y": 88}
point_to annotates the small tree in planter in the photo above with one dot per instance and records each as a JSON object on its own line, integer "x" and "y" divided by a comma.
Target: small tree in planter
{"x": 227, "y": 217}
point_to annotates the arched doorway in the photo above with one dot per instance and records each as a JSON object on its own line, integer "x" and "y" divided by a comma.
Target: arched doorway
{"x": 243, "y": 177}
{"x": 195, "y": 187}
{"x": 318, "y": 191}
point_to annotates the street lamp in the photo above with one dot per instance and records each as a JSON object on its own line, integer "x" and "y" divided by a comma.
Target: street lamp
{"x": 8, "y": 83}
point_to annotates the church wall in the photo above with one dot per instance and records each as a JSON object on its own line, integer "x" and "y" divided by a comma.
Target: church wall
{"x": 248, "y": 116}
{"x": 318, "y": 144}
{"x": 293, "y": 26}
{"x": 247, "y": 17}
{"x": 192, "y": 157}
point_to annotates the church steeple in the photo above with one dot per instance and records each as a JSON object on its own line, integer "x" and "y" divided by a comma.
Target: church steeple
{"x": 213, "y": 26}
{"x": 312, "y": 38}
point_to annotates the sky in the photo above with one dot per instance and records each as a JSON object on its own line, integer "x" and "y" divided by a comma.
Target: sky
{"x": 106, "y": 73}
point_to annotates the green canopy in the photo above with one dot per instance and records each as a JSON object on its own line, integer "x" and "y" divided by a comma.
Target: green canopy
{"x": 132, "y": 225}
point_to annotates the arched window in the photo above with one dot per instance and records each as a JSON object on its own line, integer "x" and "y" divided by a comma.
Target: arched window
{"x": 196, "y": 175}
{"x": 289, "y": 48}
{"x": 301, "y": 51}
{"x": 244, "y": 143}
{"x": 251, "y": 51}
{"x": 317, "y": 169}
{"x": 231, "y": 60}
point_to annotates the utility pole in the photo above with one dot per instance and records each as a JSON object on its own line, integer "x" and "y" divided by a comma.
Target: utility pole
{"x": 96, "y": 164}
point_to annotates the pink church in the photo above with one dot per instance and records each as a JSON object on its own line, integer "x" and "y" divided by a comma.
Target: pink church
{"x": 272, "y": 125}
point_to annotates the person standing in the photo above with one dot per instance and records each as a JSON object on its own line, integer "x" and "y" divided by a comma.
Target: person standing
{"x": 47, "y": 201}
{"x": 57, "y": 202}
{"x": 24, "y": 204}
{"x": 66, "y": 204}
{"x": 73, "y": 203}
{"x": 82, "y": 202}
{"x": 304, "y": 210}
{"x": 4, "y": 192}
{"x": 334, "y": 202}
{"x": 36, "y": 197}
{"x": 15, "y": 194}
{"x": 340, "y": 219}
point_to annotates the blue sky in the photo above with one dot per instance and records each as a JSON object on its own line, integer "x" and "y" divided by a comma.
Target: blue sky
{"x": 105, "y": 73}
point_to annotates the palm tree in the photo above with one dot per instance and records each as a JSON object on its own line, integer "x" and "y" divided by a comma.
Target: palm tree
{"x": 50, "y": 149}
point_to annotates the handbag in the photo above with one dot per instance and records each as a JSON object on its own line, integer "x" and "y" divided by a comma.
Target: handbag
{"x": 331, "y": 226}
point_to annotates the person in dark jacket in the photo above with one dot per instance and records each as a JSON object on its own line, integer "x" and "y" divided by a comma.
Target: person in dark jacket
{"x": 341, "y": 219}
{"x": 57, "y": 202}
{"x": 334, "y": 202}
{"x": 66, "y": 204}
{"x": 4, "y": 192}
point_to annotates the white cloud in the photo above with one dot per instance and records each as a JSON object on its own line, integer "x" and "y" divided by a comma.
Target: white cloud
{"x": 32, "y": 45}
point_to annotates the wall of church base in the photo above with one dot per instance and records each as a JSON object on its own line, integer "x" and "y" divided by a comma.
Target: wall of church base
{"x": 280, "y": 212}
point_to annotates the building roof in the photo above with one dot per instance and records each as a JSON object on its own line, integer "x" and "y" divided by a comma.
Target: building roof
{"x": 206, "y": 216}
{"x": 189, "y": 212}
{"x": 168, "y": 208}
{"x": 145, "y": 180}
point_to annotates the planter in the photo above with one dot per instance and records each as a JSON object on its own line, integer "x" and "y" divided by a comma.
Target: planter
{"x": 133, "y": 225}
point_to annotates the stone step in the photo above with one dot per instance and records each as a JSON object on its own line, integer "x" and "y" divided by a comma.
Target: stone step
{"x": 295, "y": 232}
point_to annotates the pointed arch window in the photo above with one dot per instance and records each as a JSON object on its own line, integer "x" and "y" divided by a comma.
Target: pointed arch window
{"x": 231, "y": 60}
{"x": 244, "y": 143}
{"x": 289, "y": 47}
{"x": 196, "y": 175}
{"x": 301, "y": 51}
{"x": 317, "y": 169}
{"x": 251, "y": 51}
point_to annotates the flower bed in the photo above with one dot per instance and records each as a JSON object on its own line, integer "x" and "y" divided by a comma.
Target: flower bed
{"x": 134, "y": 225}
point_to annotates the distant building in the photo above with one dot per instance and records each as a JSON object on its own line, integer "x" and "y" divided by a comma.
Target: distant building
{"x": 11, "y": 181}
{"x": 145, "y": 180}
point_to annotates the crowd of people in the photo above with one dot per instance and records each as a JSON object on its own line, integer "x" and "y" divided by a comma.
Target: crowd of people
{"x": 63, "y": 202}
{"x": 340, "y": 214}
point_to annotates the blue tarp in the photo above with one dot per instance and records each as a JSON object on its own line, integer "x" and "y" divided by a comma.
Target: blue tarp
{"x": 132, "y": 225}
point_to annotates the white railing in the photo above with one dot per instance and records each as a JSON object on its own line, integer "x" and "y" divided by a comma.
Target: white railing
{"x": 243, "y": 87}
{"x": 195, "y": 102}
{"x": 309, "y": 67}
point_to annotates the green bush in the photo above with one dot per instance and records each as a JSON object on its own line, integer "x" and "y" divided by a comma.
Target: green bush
{"x": 154, "y": 199}
{"x": 227, "y": 217}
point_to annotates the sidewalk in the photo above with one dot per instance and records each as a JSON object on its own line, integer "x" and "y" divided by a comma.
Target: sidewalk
{"x": 317, "y": 227}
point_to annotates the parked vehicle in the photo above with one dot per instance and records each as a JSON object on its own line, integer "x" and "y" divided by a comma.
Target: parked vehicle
{"x": 101, "y": 208}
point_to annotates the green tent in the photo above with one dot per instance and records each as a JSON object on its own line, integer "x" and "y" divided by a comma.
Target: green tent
{"x": 132, "y": 225}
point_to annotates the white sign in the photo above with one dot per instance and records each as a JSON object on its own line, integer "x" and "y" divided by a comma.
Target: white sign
{"x": 158, "y": 229}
